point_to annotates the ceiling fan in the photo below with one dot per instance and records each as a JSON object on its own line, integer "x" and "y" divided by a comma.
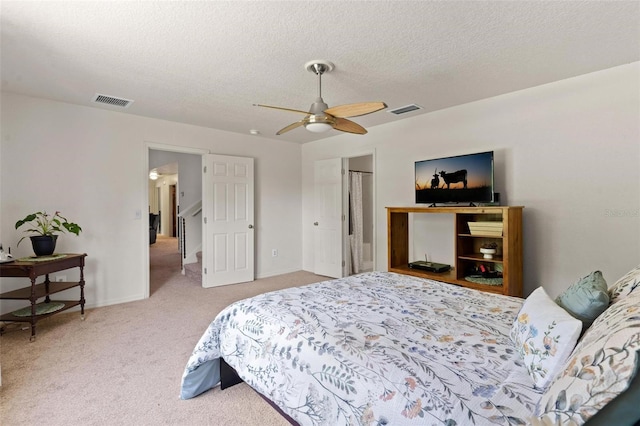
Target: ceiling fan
{"x": 321, "y": 118}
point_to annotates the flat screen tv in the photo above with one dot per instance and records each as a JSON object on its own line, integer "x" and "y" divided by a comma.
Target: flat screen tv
{"x": 460, "y": 179}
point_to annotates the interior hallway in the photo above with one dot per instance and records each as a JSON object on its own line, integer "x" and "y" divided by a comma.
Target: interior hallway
{"x": 164, "y": 262}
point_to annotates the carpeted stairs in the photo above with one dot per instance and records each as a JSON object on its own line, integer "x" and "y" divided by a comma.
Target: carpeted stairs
{"x": 193, "y": 271}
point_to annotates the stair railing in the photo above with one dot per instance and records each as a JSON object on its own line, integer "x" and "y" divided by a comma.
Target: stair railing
{"x": 190, "y": 232}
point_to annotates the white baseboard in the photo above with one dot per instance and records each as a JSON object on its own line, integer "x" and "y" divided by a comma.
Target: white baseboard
{"x": 274, "y": 273}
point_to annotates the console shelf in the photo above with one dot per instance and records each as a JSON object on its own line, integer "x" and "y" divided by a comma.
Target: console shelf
{"x": 467, "y": 254}
{"x": 32, "y": 268}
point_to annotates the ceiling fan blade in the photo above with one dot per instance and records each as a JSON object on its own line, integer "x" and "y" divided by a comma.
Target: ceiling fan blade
{"x": 355, "y": 110}
{"x": 349, "y": 126}
{"x": 290, "y": 127}
{"x": 284, "y": 109}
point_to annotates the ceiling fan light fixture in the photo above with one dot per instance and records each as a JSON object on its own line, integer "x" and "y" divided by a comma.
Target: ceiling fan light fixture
{"x": 319, "y": 123}
{"x": 318, "y": 127}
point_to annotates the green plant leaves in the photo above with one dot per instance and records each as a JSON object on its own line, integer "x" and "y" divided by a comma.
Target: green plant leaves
{"x": 43, "y": 223}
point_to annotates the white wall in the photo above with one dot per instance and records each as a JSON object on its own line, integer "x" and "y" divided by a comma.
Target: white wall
{"x": 89, "y": 163}
{"x": 568, "y": 151}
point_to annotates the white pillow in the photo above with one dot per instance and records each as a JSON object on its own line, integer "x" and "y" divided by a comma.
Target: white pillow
{"x": 544, "y": 334}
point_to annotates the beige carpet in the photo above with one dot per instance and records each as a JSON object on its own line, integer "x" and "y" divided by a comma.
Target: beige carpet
{"x": 123, "y": 364}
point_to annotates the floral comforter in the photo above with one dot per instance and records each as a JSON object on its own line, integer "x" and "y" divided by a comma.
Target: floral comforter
{"x": 373, "y": 349}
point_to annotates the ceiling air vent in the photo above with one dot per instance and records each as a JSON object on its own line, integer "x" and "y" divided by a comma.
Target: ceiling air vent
{"x": 112, "y": 100}
{"x": 405, "y": 109}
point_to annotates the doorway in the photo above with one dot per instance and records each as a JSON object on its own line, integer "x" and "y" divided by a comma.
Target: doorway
{"x": 359, "y": 238}
{"x": 169, "y": 193}
{"x": 344, "y": 235}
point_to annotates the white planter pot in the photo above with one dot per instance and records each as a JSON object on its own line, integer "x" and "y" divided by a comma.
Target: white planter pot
{"x": 488, "y": 253}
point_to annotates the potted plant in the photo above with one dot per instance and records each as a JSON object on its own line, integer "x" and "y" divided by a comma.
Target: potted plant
{"x": 46, "y": 227}
{"x": 489, "y": 249}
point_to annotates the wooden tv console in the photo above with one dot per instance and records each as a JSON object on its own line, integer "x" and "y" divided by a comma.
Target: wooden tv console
{"x": 466, "y": 246}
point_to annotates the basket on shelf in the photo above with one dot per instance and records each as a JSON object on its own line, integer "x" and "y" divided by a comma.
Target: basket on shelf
{"x": 491, "y": 229}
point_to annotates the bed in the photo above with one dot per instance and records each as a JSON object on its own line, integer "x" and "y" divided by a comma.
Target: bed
{"x": 384, "y": 348}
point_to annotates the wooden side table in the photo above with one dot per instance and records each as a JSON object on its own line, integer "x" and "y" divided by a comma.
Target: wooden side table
{"x": 33, "y": 269}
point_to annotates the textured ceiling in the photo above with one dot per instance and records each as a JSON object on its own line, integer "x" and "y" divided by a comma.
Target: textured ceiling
{"x": 206, "y": 63}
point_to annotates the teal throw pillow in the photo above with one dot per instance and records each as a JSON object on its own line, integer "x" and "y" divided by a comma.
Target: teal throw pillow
{"x": 586, "y": 299}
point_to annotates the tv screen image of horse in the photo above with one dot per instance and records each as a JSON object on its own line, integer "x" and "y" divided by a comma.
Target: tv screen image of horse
{"x": 460, "y": 179}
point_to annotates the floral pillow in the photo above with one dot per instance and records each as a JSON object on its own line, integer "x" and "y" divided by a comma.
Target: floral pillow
{"x": 544, "y": 334}
{"x": 601, "y": 369}
{"x": 625, "y": 285}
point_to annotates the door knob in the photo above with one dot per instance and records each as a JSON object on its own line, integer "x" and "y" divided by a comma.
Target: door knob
{"x": 250, "y": 226}
{"x": 315, "y": 223}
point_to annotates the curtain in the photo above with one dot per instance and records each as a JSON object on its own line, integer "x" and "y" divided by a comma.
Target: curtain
{"x": 355, "y": 214}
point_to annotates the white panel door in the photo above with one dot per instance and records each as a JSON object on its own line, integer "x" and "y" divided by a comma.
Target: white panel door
{"x": 328, "y": 254}
{"x": 228, "y": 230}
